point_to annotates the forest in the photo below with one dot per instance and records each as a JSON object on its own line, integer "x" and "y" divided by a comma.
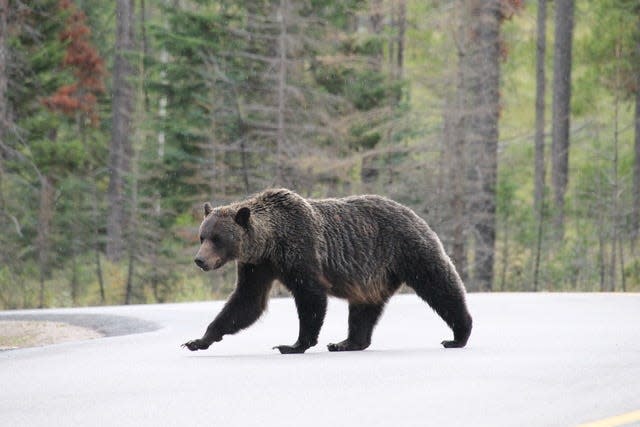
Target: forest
{"x": 511, "y": 126}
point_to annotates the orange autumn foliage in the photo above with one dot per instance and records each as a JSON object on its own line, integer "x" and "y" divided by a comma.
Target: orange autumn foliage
{"x": 86, "y": 64}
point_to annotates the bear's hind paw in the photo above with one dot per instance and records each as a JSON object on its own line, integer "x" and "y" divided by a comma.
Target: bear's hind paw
{"x": 453, "y": 344}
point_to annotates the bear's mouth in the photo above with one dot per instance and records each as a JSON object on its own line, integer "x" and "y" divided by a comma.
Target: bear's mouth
{"x": 219, "y": 262}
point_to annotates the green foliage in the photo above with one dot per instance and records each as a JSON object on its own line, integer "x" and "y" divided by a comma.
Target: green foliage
{"x": 347, "y": 72}
{"x": 195, "y": 41}
{"x": 603, "y": 61}
{"x": 204, "y": 129}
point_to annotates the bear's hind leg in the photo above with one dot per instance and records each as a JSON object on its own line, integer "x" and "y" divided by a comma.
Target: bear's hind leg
{"x": 443, "y": 291}
{"x": 362, "y": 320}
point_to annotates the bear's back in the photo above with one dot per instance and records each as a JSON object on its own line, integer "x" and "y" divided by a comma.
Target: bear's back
{"x": 370, "y": 214}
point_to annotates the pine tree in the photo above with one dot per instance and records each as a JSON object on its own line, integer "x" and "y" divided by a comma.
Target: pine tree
{"x": 120, "y": 147}
{"x": 78, "y": 101}
{"x": 563, "y": 42}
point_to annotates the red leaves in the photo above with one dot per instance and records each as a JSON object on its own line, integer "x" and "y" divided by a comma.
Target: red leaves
{"x": 86, "y": 64}
{"x": 70, "y": 99}
{"x": 63, "y": 100}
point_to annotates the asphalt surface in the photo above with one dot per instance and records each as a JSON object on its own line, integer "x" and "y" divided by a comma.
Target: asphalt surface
{"x": 532, "y": 360}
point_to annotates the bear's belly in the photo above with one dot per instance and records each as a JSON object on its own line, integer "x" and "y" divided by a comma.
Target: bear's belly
{"x": 366, "y": 292}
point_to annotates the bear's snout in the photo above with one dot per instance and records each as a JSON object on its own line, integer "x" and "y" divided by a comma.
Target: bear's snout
{"x": 201, "y": 263}
{"x": 213, "y": 264}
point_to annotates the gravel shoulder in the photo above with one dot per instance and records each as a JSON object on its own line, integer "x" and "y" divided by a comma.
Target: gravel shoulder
{"x": 39, "y": 329}
{"x": 16, "y": 334}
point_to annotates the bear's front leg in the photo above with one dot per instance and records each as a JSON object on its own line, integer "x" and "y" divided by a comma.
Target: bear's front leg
{"x": 243, "y": 308}
{"x": 311, "y": 303}
{"x": 362, "y": 320}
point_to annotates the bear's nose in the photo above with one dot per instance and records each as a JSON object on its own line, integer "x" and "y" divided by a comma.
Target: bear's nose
{"x": 200, "y": 262}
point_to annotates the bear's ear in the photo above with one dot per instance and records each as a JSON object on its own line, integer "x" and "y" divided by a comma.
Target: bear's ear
{"x": 242, "y": 216}
{"x": 207, "y": 209}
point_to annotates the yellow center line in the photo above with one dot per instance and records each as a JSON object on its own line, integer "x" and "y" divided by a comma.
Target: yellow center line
{"x": 618, "y": 420}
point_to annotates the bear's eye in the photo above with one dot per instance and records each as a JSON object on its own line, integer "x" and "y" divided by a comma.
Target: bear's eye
{"x": 201, "y": 239}
{"x": 215, "y": 239}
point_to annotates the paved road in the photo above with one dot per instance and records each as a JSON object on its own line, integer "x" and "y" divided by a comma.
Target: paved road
{"x": 533, "y": 359}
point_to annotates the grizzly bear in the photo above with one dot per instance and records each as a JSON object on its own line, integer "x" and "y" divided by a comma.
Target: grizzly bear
{"x": 361, "y": 248}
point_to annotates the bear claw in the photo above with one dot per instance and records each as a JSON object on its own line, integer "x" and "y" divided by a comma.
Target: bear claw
{"x": 290, "y": 349}
{"x": 195, "y": 345}
{"x": 452, "y": 344}
{"x": 346, "y": 345}
{"x": 335, "y": 347}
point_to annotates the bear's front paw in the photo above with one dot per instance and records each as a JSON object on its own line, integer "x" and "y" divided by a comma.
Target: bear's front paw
{"x": 346, "y": 345}
{"x": 194, "y": 345}
{"x": 291, "y": 349}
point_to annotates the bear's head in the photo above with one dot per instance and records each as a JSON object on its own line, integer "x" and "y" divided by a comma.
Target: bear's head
{"x": 221, "y": 235}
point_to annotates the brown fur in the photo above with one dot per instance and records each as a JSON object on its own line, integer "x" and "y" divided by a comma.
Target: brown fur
{"x": 361, "y": 248}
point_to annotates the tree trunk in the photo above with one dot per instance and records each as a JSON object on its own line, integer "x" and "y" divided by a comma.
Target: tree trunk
{"x": 457, "y": 178}
{"x": 144, "y": 48}
{"x": 536, "y": 265}
{"x": 455, "y": 122}
{"x": 96, "y": 241}
{"x": 623, "y": 282}
{"x": 635, "y": 209}
{"x": 396, "y": 43}
{"x": 128, "y": 298}
{"x": 615, "y": 184}
{"x": 539, "y": 140}
{"x": 4, "y": 12}
{"x": 376, "y": 20}
{"x": 453, "y": 184}
{"x": 505, "y": 253}
{"x": 282, "y": 81}
{"x": 601, "y": 255}
{"x": 635, "y": 221}
{"x": 402, "y": 27}
{"x": 540, "y": 104}
{"x": 75, "y": 285}
{"x": 74, "y": 231}
{"x": 482, "y": 134}
{"x": 120, "y": 146}
{"x": 132, "y": 234}
{"x": 244, "y": 165}
{"x": 391, "y": 46}
{"x": 45, "y": 216}
{"x": 561, "y": 107}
